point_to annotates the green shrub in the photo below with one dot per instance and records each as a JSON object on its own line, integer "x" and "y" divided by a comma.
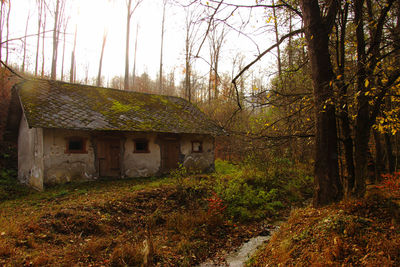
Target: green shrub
{"x": 246, "y": 202}
{"x": 10, "y": 187}
{"x": 225, "y": 167}
{"x": 256, "y": 190}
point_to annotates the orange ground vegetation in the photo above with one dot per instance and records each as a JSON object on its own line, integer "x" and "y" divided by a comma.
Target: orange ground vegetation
{"x": 111, "y": 224}
{"x": 352, "y": 233}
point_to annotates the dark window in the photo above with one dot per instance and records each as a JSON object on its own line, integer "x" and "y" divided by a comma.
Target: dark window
{"x": 197, "y": 146}
{"x": 76, "y": 145}
{"x": 141, "y": 146}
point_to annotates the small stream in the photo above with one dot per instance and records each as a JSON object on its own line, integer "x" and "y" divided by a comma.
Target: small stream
{"x": 238, "y": 257}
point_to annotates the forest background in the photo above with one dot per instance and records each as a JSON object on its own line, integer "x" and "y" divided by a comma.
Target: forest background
{"x": 319, "y": 85}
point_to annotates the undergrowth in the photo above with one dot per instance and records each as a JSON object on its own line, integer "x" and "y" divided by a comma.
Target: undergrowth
{"x": 184, "y": 218}
{"x": 362, "y": 232}
{"x": 256, "y": 191}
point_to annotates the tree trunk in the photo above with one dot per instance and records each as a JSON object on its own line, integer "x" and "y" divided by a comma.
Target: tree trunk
{"x": 1, "y": 28}
{"x": 162, "y": 44}
{"x": 128, "y": 28}
{"x": 379, "y": 163}
{"x": 72, "y": 70}
{"x": 101, "y": 59}
{"x": 278, "y": 50}
{"x": 362, "y": 129}
{"x": 63, "y": 54}
{"x": 343, "y": 107}
{"x": 55, "y": 42}
{"x": 40, "y": 10}
{"x": 26, "y": 33}
{"x": 389, "y": 152}
{"x": 8, "y": 29}
{"x": 134, "y": 58}
{"x": 43, "y": 39}
{"x": 327, "y": 184}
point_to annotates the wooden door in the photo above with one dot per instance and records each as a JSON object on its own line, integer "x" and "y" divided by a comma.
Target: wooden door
{"x": 170, "y": 155}
{"x": 108, "y": 154}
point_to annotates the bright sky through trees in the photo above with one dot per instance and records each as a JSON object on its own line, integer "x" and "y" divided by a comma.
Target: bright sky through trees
{"x": 93, "y": 17}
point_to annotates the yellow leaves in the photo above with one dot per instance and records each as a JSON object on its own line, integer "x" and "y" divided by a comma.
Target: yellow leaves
{"x": 255, "y": 88}
{"x": 268, "y": 20}
{"x": 339, "y": 76}
{"x": 366, "y": 83}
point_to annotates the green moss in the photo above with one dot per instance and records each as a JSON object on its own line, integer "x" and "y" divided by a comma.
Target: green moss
{"x": 122, "y": 108}
{"x": 58, "y": 104}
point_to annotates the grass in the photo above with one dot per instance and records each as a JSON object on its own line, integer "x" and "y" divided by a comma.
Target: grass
{"x": 118, "y": 222}
{"x": 108, "y": 222}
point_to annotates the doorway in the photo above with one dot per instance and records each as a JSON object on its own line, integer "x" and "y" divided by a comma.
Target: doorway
{"x": 108, "y": 155}
{"x": 170, "y": 154}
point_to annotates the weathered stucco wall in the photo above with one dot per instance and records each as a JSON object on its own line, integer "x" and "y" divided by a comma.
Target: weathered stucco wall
{"x": 44, "y": 160}
{"x": 30, "y": 155}
{"x": 203, "y": 161}
{"x": 141, "y": 164}
{"x": 61, "y": 167}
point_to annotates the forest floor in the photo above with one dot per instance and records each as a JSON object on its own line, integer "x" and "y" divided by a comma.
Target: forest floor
{"x": 362, "y": 232}
{"x": 108, "y": 222}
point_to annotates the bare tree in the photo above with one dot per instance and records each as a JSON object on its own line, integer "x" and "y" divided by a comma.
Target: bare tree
{"x": 40, "y": 11}
{"x": 134, "y": 59}
{"x": 63, "y": 54}
{"x": 8, "y": 29}
{"x": 24, "y": 43}
{"x": 43, "y": 37}
{"x": 162, "y": 44}
{"x": 130, "y": 12}
{"x": 73, "y": 68}
{"x": 1, "y": 27}
{"x": 216, "y": 39}
{"x": 55, "y": 41}
{"x": 101, "y": 58}
{"x": 191, "y": 32}
{"x": 278, "y": 50}
{"x": 3, "y": 9}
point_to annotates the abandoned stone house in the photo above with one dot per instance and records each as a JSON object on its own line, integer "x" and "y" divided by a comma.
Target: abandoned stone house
{"x": 77, "y": 132}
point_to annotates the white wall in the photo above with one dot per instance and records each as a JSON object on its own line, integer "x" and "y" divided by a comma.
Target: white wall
{"x": 141, "y": 164}
{"x": 203, "y": 161}
{"x": 30, "y": 155}
{"x": 42, "y": 156}
{"x": 61, "y": 167}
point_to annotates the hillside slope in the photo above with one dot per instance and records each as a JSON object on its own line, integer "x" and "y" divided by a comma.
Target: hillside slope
{"x": 358, "y": 232}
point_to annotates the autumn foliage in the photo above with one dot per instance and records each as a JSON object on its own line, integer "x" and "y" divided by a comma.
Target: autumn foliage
{"x": 391, "y": 183}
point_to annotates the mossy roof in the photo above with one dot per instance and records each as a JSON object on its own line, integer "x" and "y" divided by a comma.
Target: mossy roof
{"x": 54, "y": 104}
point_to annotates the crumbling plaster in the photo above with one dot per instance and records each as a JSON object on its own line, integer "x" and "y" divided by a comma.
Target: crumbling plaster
{"x": 30, "y": 155}
{"x": 61, "y": 167}
{"x": 43, "y": 159}
{"x": 203, "y": 161}
{"x": 141, "y": 164}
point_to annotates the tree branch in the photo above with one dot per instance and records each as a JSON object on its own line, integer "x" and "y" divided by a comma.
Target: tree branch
{"x": 258, "y": 58}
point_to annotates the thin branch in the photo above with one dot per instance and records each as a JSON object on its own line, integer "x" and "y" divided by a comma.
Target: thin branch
{"x": 284, "y": 4}
{"x": 22, "y": 37}
{"x": 258, "y": 58}
{"x": 10, "y": 69}
{"x": 208, "y": 28}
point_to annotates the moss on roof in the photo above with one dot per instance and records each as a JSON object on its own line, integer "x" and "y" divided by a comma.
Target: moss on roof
{"x": 54, "y": 104}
